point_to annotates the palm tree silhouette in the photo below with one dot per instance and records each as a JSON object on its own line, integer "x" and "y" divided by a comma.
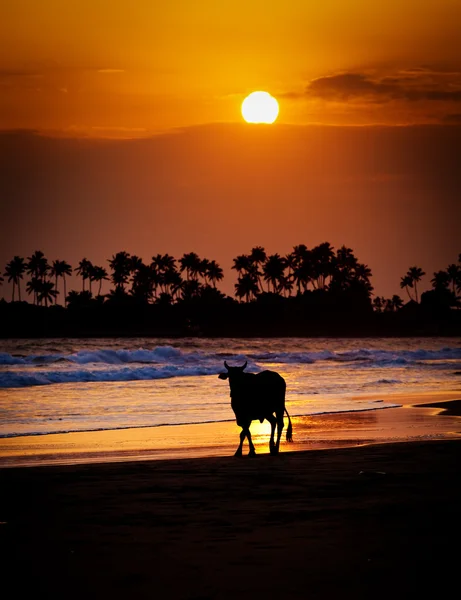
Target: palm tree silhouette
{"x": 441, "y": 280}
{"x": 34, "y": 286}
{"x": 454, "y": 276}
{"x": 273, "y": 270}
{"x": 83, "y": 270}
{"x": 14, "y": 270}
{"x": 143, "y": 282}
{"x": 204, "y": 266}
{"x": 302, "y": 267}
{"x": 397, "y": 302}
{"x": 99, "y": 274}
{"x": 406, "y": 282}
{"x": 215, "y": 273}
{"x": 290, "y": 264}
{"x": 322, "y": 256}
{"x": 60, "y": 268}
{"x": 378, "y": 303}
{"x": 121, "y": 270}
{"x": 37, "y": 266}
{"x": 415, "y": 274}
{"x": 191, "y": 264}
{"x": 47, "y": 292}
{"x": 258, "y": 257}
{"x": 246, "y": 287}
{"x": 242, "y": 264}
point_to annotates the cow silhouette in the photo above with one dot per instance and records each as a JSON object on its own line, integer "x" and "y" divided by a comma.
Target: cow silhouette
{"x": 257, "y": 397}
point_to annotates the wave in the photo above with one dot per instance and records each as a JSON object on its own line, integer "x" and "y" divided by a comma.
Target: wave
{"x": 15, "y": 379}
{"x": 161, "y": 362}
{"x": 162, "y": 354}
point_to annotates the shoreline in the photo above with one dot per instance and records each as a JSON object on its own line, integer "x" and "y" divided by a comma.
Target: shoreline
{"x": 421, "y": 416}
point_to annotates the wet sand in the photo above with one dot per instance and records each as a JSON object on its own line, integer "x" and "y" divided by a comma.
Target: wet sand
{"x": 420, "y": 417}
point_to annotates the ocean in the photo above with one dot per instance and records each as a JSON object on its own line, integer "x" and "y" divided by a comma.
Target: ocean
{"x": 66, "y": 385}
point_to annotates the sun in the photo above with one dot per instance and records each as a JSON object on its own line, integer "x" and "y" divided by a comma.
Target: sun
{"x": 260, "y": 107}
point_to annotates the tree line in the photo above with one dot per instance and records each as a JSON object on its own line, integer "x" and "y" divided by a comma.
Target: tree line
{"x": 166, "y": 280}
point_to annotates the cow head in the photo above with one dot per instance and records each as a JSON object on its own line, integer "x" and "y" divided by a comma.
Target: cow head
{"x": 232, "y": 371}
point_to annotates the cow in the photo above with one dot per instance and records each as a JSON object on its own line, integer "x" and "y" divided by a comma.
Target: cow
{"x": 257, "y": 397}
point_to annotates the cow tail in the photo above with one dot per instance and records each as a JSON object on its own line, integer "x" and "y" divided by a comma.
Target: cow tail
{"x": 289, "y": 429}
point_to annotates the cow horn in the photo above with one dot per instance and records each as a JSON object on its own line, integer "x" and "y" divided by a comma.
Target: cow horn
{"x": 246, "y": 362}
{"x": 226, "y": 365}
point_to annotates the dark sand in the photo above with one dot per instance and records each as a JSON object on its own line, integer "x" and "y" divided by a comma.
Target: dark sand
{"x": 379, "y": 521}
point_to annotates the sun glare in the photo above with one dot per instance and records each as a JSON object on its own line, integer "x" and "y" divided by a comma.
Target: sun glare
{"x": 260, "y": 107}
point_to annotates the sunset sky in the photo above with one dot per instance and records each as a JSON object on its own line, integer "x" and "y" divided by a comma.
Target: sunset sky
{"x": 121, "y": 130}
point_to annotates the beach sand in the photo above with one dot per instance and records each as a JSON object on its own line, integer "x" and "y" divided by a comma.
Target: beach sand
{"x": 375, "y": 521}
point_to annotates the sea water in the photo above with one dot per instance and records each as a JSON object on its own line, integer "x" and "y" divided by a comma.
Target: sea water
{"x": 63, "y": 385}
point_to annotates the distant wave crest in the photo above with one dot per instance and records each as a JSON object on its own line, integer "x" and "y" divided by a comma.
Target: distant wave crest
{"x": 102, "y": 364}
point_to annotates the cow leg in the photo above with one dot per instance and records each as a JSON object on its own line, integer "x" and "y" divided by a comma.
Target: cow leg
{"x": 242, "y": 439}
{"x": 252, "y": 451}
{"x": 280, "y": 425}
{"x": 273, "y": 421}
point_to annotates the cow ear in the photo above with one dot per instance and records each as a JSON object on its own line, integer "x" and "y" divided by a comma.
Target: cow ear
{"x": 223, "y": 375}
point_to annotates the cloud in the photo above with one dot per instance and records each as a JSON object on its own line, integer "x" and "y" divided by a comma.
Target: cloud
{"x": 410, "y": 85}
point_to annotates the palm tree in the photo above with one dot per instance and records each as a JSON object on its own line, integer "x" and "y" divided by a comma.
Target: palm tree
{"x": 121, "y": 267}
{"x": 37, "y": 265}
{"x": 204, "y": 266}
{"x": 242, "y": 264}
{"x": 99, "y": 274}
{"x": 322, "y": 256}
{"x": 273, "y": 270}
{"x": 60, "y": 268}
{"x": 454, "y": 276}
{"x": 406, "y": 282}
{"x": 302, "y": 266}
{"x": 173, "y": 281}
{"x": 397, "y": 302}
{"x": 34, "y": 286}
{"x": 215, "y": 273}
{"x": 83, "y": 270}
{"x": 14, "y": 270}
{"x": 190, "y": 288}
{"x": 345, "y": 257}
{"x": 191, "y": 264}
{"x": 290, "y": 264}
{"x": 47, "y": 292}
{"x": 135, "y": 263}
{"x": 441, "y": 280}
{"x": 363, "y": 274}
{"x": 258, "y": 257}
{"x": 143, "y": 282}
{"x": 246, "y": 287}
{"x": 415, "y": 273}
{"x": 378, "y": 303}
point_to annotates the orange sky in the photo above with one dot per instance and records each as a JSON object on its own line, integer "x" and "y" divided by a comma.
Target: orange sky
{"x": 118, "y": 69}
{"x": 170, "y": 72}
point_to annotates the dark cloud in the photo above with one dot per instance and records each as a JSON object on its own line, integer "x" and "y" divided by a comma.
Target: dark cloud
{"x": 415, "y": 85}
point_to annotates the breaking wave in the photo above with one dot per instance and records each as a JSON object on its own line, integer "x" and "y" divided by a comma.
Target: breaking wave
{"x": 161, "y": 362}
